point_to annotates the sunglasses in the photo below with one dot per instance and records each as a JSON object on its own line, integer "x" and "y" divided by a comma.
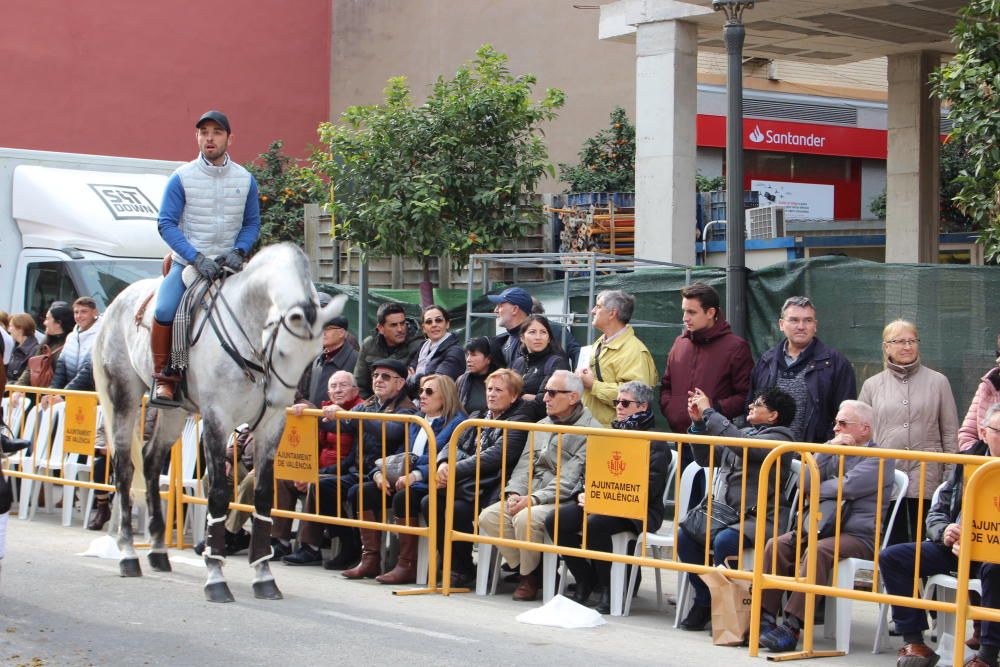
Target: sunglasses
{"x": 624, "y": 403}
{"x": 426, "y": 391}
{"x": 386, "y": 376}
{"x": 434, "y": 320}
{"x": 552, "y": 393}
{"x": 843, "y": 422}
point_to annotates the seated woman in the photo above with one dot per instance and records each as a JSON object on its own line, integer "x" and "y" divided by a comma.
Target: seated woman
{"x": 472, "y": 384}
{"x": 632, "y": 413}
{"x": 770, "y": 416}
{"x": 440, "y": 407}
{"x": 440, "y": 354}
{"x": 503, "y": 400}
{"x": 538, "y": 358}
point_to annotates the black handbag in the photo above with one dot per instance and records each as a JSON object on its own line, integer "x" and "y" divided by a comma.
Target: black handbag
{"x": 723, "y": 516}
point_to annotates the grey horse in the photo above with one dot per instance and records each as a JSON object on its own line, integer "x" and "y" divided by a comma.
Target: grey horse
{"x": 243, "y": 366}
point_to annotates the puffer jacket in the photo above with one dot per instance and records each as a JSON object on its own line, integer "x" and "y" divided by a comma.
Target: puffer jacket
{"x": 987, "y": 394}
{"x": 728, "y": 461}
{"x": 77, "y": 348}
{"x": 915, "y": 411}
{"x": 209, "y": 209}
{"x": 544, "y": 485}
{"x": 492, "y": 458}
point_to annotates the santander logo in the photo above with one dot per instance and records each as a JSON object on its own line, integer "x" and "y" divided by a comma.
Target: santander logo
{"x": 787, "y": 138}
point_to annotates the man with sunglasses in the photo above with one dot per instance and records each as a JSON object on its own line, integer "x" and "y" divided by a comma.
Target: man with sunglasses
{"x": 939, "y": 555}
{"x": 534, "y": 483}
{"x": 858, "y": 486}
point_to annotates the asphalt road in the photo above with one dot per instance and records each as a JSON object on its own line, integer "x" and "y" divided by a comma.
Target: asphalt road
{"x": 58, "y": 608}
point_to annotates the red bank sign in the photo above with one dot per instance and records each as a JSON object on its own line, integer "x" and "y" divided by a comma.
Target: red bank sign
{"x": 786, "y": 137}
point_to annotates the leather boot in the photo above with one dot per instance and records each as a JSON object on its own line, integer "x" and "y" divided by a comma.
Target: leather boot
{"x": 100, "y": 514}
{"x": 371, "y": 560}
{"x": 159, "y": 343}
{"x": 405, "y": 571}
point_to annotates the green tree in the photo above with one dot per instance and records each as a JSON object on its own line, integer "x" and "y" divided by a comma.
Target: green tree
{"x": 285, "y": 187}
{"x": 447, "y": 176}
{"x": 970, "y": 84}
{"x": 607, "y": 159}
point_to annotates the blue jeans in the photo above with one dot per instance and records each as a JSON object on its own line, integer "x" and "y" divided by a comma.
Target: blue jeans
{"x": 895, "y": 564}
{"x": 168, "y": 297}
{"x": 727, "y": 545}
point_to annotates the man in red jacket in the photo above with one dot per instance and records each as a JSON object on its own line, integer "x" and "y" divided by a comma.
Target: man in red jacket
{"x": 707, "y": 356}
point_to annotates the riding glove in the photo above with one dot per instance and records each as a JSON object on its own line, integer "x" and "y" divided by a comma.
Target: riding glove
{"x": 206, "y": 268}
{"x": 231, "y": 260}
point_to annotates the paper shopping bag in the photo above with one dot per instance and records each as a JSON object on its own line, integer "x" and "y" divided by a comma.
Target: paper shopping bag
{"x": 730, "y": 607}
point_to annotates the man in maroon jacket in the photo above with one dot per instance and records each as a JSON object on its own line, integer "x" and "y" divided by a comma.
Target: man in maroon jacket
{"x": 707, "y": 356}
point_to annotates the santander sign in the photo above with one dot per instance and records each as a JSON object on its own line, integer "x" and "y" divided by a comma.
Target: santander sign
{"x": 791, "y": 137}
{"x": 773, "y": 138}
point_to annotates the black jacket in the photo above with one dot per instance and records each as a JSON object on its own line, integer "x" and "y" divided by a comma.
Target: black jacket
{"x": 313, "y": 383}
{"x": 491, "y": 456}
{"x": 948, "y": 508}
{"x": 371, "y": 441}
{"x": 448, "y": 359}
{"x": 472, "y": 391}
{"x": 535, "y": 368}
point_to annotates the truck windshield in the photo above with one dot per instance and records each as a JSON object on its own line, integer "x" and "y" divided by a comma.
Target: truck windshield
{"x": 65, "y": 281}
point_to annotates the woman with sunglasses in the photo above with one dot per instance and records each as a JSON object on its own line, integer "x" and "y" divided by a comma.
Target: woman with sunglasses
{"x": 770, "y": 416}
{"x": 538, "y": 358}
{"x": 440, "y": 406}
{"x": 632, "y": 413}
{"x": 441, "y": 353}
{"x": 914, "y": 410}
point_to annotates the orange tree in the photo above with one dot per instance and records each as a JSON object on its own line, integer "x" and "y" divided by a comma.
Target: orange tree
{"x": 448, "y": 176}
{"x": 285, "y": 187}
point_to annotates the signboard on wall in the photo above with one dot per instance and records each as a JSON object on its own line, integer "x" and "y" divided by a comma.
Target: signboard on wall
{"x": 802, "y": 201}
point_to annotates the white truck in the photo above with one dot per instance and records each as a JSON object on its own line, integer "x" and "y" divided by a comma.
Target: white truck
{"x": 76, "y": 225}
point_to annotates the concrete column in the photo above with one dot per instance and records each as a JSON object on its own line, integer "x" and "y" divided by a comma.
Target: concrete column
{"x": 913, "y": 165}
{"x": 665, "y": 112}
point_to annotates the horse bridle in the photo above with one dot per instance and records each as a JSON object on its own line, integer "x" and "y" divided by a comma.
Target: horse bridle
{"x": 265, "y": 357}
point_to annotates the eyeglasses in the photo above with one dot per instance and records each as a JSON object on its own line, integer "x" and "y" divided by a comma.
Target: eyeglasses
{"x": 843, "y": 422}
{"x": 624, "y": 402}
{"x": 426, "y": 391}
{"x": 386, "y": 376}
{"x": 904, "y": 342}
{"x": 552, "y": 393}
{"x": 434, "y": 320}
{"x": 759, "y": 403}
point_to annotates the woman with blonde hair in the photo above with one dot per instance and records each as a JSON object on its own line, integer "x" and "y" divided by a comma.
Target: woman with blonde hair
{"x": 914, "y": 410}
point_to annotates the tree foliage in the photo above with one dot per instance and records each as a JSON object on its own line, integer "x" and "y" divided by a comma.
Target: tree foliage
{"x": 607, "y": 159}
{"x": 970, "y": 84}
{"x": 447, "y": 176}
{"x": 285, "y": 187}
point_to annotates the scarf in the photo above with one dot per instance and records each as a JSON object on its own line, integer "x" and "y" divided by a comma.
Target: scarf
{"x": 901, "y": 371}
{"x": 640, "y": 421}
{"x": 572, "y": 418}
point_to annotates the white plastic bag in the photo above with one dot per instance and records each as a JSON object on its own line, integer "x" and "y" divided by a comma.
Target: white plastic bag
{"x": 561, "y": 612}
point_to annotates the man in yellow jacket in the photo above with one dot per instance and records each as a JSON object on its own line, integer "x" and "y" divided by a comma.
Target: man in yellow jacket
{"x": 617, "y": 357}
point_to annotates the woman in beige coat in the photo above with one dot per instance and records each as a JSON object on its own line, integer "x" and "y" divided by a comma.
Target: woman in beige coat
{"x": 914, "y": 410}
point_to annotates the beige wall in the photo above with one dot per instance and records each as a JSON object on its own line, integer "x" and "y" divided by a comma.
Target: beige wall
{"x": 374, "y": 40}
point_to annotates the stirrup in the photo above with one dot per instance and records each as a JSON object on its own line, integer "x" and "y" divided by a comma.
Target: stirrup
{"x": 175, "y": 402}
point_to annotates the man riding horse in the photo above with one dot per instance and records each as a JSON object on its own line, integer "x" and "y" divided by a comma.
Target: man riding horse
{"x": 210, "y": 209}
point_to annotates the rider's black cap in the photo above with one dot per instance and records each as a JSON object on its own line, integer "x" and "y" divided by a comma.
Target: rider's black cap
{"x": 218, "y": 117}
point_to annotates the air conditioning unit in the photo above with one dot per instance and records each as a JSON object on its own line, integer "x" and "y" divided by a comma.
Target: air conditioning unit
{"x": 766, "y": 222}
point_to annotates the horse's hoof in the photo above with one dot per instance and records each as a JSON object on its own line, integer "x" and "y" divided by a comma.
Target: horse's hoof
{"x": 159, "y": 561}
{"x": 267, "y": 590}
{"x": 129, "y": 567}
{"x": 218, "y": 592}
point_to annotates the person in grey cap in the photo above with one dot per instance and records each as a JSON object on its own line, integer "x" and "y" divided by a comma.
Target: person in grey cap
{"x": 210, "y": 218}
{"x": 338, "y": 355}
{"x": 513, "y": 306}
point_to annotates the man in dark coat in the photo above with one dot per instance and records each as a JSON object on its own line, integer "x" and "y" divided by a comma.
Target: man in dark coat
{"x": 818, "y": 377}
{"x": 337, "y": 355}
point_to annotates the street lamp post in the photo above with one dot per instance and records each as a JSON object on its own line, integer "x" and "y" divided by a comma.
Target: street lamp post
{"x": 733, "y": 35}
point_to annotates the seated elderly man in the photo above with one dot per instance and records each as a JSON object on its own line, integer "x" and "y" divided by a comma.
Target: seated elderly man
{"x": 939, "y": 555}
{"x": 860, "y": 487}
{"x": 534, "y": 484}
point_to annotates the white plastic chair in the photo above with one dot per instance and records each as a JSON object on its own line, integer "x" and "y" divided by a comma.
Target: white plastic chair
{"x": 22, "y": 426}
{"x": 39, "y": 423}
{"x": 190, "y": 438}
{"x": 838, "y": 610}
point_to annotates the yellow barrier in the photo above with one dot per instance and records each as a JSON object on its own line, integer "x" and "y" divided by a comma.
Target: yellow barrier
{"x": 428, "y": 532}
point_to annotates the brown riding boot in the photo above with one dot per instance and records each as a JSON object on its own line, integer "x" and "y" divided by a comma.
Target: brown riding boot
{"x": 159, "y": 342}
{"x": 405, "y": 571}
{"x": 371, "y": 560}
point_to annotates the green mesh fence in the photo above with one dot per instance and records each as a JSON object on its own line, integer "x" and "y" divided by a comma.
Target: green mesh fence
{"x": 854, "y": 299}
